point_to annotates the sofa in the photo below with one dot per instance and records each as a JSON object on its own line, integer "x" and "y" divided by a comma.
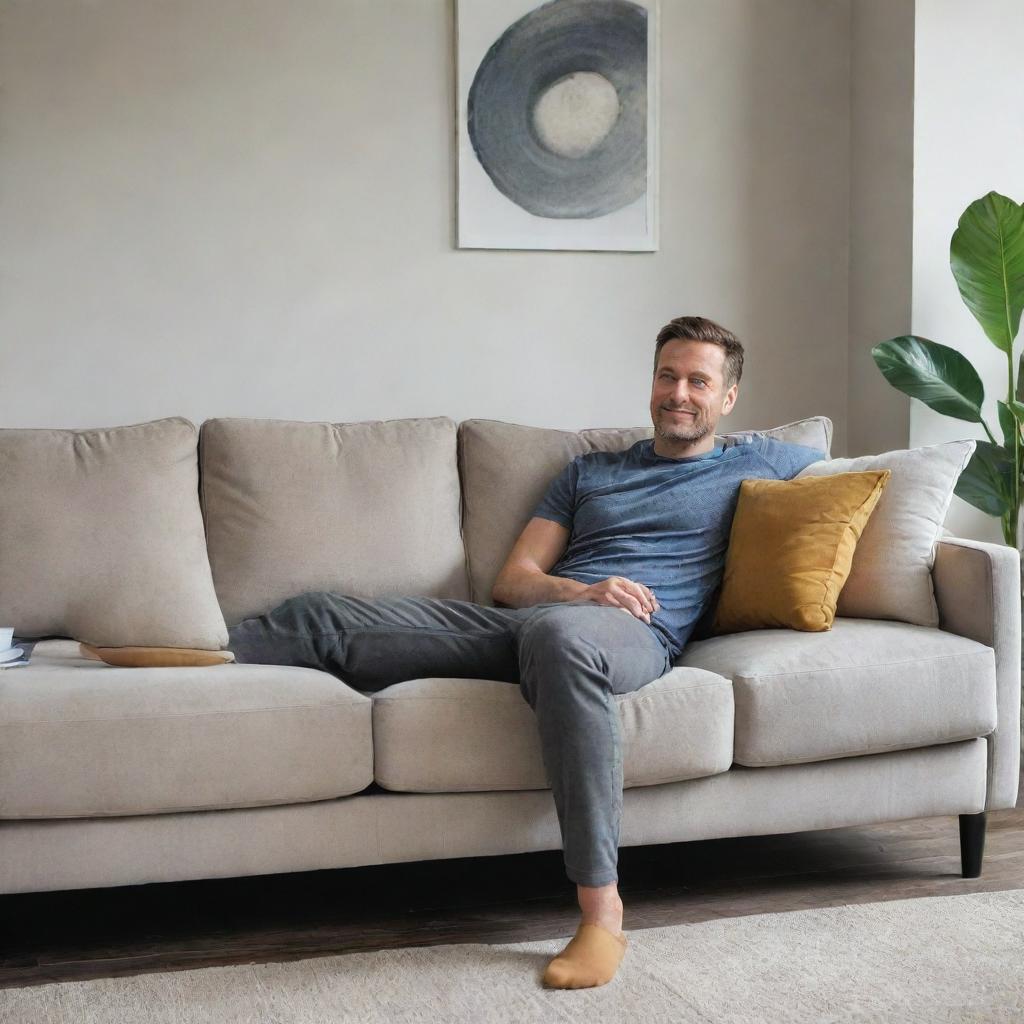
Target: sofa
{"x": 118, "y": 776}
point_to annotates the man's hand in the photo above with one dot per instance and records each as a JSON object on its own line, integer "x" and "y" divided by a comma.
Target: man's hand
{"x": 623, "y": 593}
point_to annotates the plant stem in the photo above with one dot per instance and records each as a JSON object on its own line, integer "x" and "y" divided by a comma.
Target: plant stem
{"x": 1010, "y": 530}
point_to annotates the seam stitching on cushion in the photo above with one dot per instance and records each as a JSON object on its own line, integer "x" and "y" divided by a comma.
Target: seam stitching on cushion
{"x": 867, "y": 753}
{"x": 219, "y": 806}
{"x": 884, "y": 664}
{"x": 199, "y": 714}
{"x": 476, "y": 700}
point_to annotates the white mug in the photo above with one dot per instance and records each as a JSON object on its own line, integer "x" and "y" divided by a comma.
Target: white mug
{"x": 6, "y": 637}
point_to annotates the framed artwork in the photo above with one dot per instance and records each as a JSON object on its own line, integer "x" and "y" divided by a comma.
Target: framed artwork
{"x": 557, "y": 124}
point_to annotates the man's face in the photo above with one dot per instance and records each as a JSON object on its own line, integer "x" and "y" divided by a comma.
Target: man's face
{"x": 689, "y": 396}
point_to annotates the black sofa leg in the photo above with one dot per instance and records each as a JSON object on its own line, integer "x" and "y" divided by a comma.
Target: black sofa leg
{"x": 972, "y": 843}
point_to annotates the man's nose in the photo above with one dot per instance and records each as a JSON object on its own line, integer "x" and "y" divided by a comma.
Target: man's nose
{"x": 681, "y": 393}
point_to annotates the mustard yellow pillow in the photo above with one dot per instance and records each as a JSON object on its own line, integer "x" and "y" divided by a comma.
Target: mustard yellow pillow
{"x": 791, "y": 548}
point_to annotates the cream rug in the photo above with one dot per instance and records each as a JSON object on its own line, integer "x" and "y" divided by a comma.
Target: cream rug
{"x": 929, "y": 960}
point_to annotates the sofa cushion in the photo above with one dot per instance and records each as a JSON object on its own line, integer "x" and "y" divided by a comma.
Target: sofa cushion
{"x": 790, "y": 550}
{"x": 864, "y": 687}
{"x": 891, "y": 573}
{"x": 81, "y": 739}
{"x": 467, "y": 735}
{"x": 101, "y": 537}
{"x": 506, "y": 468}
{"x": 369, "y": 508}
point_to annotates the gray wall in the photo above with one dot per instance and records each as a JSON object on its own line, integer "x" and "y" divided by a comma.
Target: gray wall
{"x": 881, "y": 214}
{"x": 245, "y": 207}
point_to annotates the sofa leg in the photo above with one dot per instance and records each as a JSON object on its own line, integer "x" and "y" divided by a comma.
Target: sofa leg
{"x": 972, "y": 843}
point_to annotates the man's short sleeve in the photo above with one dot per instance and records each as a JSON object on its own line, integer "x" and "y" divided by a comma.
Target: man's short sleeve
{"x": 559, "y": 501}
{"x": 787, "y": 459}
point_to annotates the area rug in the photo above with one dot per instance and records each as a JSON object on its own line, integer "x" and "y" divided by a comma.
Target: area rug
{"x": 934, "y": 959}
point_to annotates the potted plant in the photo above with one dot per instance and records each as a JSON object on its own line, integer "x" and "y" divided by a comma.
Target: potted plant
{"x": 986, "y": 254}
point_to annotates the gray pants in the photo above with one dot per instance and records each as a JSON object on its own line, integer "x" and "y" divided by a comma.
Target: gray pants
{"x": 567, "y": 657}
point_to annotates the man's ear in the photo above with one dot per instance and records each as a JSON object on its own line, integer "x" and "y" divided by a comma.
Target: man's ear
{"x": 730, "y": 399}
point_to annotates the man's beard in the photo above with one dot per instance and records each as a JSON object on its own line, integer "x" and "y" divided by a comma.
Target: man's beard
{"x": 695, "y": 430}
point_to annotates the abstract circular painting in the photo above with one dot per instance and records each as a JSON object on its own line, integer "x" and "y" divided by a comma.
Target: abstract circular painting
{"x": 556, "y": 124}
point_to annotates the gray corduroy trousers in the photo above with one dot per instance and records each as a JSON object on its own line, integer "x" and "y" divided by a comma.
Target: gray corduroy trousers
{"x": 568, "y": 658}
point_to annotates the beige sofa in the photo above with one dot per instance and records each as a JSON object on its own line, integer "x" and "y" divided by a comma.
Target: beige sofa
{"x": 114, "y": 776}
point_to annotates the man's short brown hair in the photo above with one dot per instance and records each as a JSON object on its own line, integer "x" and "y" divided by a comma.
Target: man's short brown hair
{"x": 699, "y": 328}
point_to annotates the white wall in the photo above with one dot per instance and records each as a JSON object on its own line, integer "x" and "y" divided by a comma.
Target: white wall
{"x": 968, "y": 140}
{"x": 245, "y": 207}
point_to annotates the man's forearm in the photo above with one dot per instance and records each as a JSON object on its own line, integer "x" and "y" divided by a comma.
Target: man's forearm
{"x": 523, "y": 588}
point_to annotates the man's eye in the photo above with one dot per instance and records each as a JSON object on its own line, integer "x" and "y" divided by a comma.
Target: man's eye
{"x": 702, "y": 383}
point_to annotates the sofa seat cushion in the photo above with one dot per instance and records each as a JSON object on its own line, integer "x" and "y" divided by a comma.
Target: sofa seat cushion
{"x": 864, "y": 687}
{"x": 442, "y": 735}
{"x": 79, "y": 738}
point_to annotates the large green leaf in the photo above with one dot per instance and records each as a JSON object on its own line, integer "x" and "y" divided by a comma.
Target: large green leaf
{"x": 987, "y": 481}
{"x": 938, "y": 375}
{"x": 986, "y": 254}
{"x": 1008, "y": 423}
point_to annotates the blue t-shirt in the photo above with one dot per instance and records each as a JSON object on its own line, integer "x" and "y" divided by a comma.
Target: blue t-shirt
{"x": 659, "y": 521}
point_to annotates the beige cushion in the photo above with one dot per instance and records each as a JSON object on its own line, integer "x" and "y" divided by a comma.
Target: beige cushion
{"x": 370, "y": 509}
{"x": 890, "y": 577}
{"x": 864, "y": 687}
{"x": 467, "y": 735}
{"x": 102, "y": 538}
{"x": 81, "y": 739}
{"x": 506, "y": 469}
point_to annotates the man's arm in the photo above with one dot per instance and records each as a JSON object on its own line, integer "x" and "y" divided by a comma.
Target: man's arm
{"x": 524, "y": 580}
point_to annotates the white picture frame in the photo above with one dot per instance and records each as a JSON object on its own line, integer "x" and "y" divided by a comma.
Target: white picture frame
{"x": 526, "y": 179}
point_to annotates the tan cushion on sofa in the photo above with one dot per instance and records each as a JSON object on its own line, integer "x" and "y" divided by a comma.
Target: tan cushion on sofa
{"x": 369, "y": 508}
{"x": 864, "y": 687}
{"x": 81, "y": 739}
{"x": 101, "y": 537}
{"x": 506, "y": 468}
{"x": 467, "y": 735}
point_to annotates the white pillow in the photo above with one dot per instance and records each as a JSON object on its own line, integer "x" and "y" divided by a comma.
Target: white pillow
{"x": 891, "y": 575}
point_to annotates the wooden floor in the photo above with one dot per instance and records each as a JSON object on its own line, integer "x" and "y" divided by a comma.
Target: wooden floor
{"x": 98, "y": 933}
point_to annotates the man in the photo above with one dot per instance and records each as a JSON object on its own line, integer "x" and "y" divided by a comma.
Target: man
{"x": 642, "y": 532}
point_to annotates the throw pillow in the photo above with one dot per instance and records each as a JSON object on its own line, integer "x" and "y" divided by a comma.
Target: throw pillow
{"x": 891, "y": 575}
{"x": 790, "y": 550}
{"x": 101, "y": 536}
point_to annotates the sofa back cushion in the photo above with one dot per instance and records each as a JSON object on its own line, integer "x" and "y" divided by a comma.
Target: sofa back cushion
{"x": 101, "y": 537}
{"x": 506, "y": 468}
{"x": 369, "y": 509}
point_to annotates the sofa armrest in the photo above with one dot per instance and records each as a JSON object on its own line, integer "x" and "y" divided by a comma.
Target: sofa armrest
{"x": 977, "y": 588}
